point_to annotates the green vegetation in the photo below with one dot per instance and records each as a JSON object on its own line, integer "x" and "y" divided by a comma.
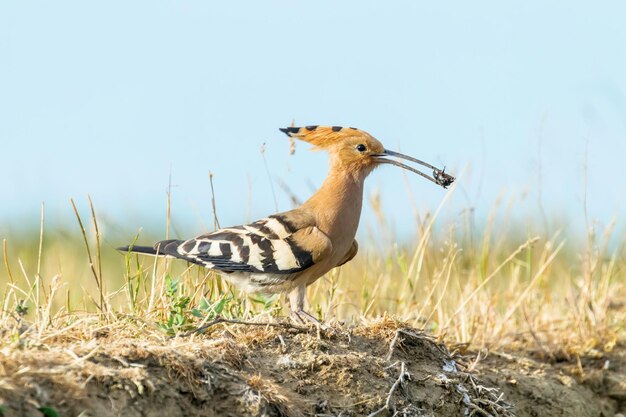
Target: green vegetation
{"x": 48, "y": 412}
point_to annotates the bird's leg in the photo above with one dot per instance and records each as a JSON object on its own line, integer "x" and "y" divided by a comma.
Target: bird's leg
{"x": 296, "y": 305}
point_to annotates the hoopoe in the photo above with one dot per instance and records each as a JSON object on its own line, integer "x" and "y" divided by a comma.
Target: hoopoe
{"x": 286, "y": 252}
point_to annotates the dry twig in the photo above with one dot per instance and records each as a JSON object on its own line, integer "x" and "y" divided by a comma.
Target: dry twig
{"x": 404, "y": 375}
{"x": 220, "y": 319}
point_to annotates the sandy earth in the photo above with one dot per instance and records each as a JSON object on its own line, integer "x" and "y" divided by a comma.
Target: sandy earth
{"x": 239, "y": 370}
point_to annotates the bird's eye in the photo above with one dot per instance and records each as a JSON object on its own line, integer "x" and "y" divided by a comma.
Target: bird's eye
{"x": 361, "y": 148}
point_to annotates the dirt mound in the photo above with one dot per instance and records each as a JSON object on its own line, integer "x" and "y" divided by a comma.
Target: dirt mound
{"x": 239, "y": 370}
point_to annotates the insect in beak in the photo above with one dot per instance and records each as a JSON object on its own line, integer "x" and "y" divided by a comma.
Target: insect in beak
{"x": 439, "y": 175}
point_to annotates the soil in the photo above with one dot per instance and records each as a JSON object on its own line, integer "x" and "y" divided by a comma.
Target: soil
{"x": 239, "y": 370}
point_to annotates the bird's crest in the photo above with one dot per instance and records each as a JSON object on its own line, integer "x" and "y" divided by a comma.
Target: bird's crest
{"x": 323, "y": 136}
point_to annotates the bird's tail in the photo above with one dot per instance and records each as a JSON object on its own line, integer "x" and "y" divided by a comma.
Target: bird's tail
{"x": 162, "y": 248}
{"x": 146, "y": 250}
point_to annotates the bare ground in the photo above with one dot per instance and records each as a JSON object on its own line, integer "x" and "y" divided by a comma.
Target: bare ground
{"x": 238, "y": 370}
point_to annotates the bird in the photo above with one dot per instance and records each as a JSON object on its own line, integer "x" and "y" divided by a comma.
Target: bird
{"x": 288, "y": 251}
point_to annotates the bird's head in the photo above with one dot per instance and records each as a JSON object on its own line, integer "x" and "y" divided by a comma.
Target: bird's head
{"x": 358, "y": 152}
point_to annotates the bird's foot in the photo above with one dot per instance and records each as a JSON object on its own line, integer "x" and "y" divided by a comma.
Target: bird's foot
{"x": 302, "y": 317}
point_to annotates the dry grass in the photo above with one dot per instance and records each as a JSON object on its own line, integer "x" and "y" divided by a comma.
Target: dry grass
{"x": 552, "y": 293}
{"x": 88, "y": 331}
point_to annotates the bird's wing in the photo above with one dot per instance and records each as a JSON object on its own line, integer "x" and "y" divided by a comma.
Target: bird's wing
{"x": 350, "y": 254}
{"x": 280, "y": 244}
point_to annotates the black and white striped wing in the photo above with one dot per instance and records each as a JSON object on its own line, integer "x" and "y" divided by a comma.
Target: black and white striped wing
{"x": 266, "y": 246}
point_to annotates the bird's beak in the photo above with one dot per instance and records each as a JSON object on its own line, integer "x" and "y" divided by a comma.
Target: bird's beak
{"x": 439, "y": 175}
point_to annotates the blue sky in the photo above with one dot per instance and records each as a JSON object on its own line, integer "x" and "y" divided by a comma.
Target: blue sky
{"x": 109, "y": 98}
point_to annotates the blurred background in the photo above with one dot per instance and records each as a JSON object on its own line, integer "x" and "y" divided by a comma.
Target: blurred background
{"x": 524, "y": 101}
